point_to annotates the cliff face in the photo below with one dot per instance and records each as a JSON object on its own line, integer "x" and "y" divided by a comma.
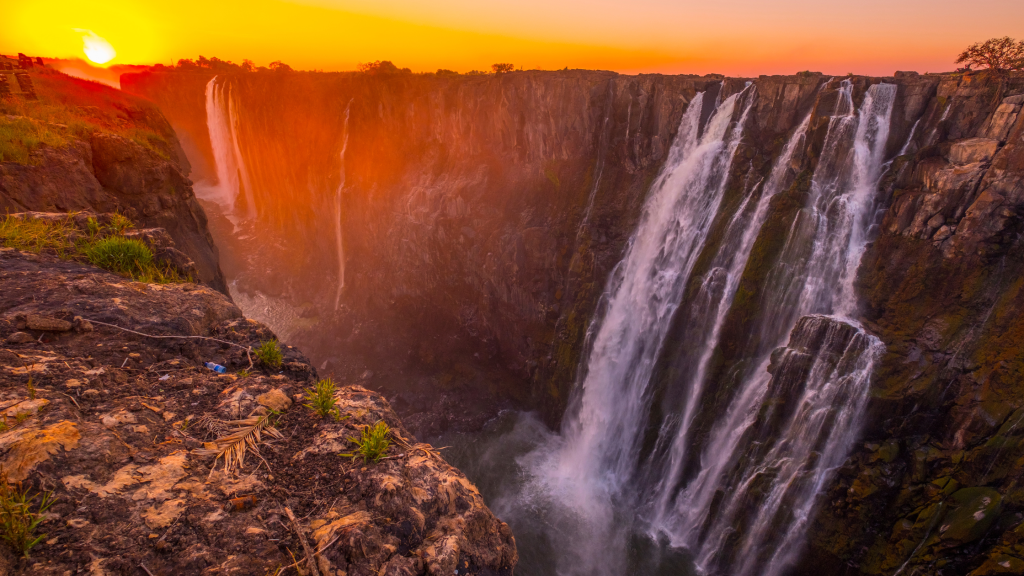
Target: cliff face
{"x": 99, "y": 168}
{"x": 469, "y": 215}
{"x": 479, "y": 215}
{"x": 936, "y": 480}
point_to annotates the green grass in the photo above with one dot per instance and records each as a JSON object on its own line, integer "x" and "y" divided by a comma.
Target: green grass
{"x": 19, "y": 136}
{"x": 20, "y": 516}
{"x": 373, "y": 442}
{"x": 321, "y": 399}
{"x": 269, "y": 353}
{"x": 31, "y": 235}
{"x": 98, "y": 245}
{"x": 125, "y": 256}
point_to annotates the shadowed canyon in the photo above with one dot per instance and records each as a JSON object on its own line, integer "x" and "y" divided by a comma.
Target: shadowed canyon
{"x": 661, "y": 325}
{"x": 764, "y": 326}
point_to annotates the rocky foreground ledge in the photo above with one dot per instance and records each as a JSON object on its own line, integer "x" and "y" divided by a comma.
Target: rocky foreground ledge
{"x": 114, "y": 424}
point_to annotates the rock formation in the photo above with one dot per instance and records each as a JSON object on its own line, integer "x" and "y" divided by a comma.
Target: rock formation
{"x": 113, "y": 424}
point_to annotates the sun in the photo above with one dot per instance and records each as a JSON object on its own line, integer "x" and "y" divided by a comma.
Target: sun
{"x": 97, "y": 49}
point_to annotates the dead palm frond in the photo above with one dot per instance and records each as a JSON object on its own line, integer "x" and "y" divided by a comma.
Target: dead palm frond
{"x": 210, "y": 423}
{"x": 244, "y": 438}
{"x": 426, "y": 449}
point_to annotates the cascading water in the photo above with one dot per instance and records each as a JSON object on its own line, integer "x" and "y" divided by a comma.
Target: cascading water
{"x": 233, "y": 181}
{"x": 745, "y": 510}
{"x": 583, "y": 473}
{"x": 738, "y": 496}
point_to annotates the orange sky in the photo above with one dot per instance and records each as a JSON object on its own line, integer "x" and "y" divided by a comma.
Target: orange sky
{"x": 736, "y": 37}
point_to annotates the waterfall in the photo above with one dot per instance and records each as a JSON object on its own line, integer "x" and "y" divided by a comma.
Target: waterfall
{"x": 579, "y": 482}
{"x": 740, "y": 493}
{"x": 337, "y": 211}
{"x": 644, "y": 292}
{"x": 729, "y": 262}
{"x": 766, "y": 458}
{"x": 233, "y": 182}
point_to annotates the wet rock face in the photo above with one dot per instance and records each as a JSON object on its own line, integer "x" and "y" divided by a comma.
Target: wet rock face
{"x": 115, "y": 424}
{"x": 933, "y": 489}
{"x": 109, "y": 173}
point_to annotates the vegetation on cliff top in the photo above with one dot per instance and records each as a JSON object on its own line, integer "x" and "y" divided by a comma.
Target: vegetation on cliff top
{"x": 70, "y": 108}
{"x": 998, "y": 54}
{"x": 101, "y": 245}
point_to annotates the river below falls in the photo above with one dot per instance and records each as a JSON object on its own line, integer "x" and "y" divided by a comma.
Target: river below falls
{"x": 502, "y": 460}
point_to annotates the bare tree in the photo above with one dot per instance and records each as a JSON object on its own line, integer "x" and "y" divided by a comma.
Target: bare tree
{"x": 999, "y": 54}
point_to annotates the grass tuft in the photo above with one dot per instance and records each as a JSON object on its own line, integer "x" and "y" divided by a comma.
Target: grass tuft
{"x": 269, "y": 353}
{"x": 126, "y": 256}
{"x": 321, "y": 399}
{"x": 18, "y": 520}
{"x": 373, "y": 442}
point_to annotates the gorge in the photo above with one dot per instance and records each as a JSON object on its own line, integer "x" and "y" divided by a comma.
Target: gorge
{"x": 775, "y": 321}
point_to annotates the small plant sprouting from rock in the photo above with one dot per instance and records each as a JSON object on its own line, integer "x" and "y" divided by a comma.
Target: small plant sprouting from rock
{"x": 119, "y": 223}
{"x": 372, "y": 443}
{"x": 18, "y": 520}
{"x": 269, "y": 353}
{"x": 321, "y": 399}
{"x": 93, "y": 227}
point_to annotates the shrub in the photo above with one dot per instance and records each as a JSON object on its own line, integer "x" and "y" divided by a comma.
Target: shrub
{"x": 998, "y": 54}
{"x": 18, "y": 521}
{"x": 372, "y": 443}
{"x": 127, "y": 256}
{"x": 321, "y": 399}
{"x": 269, "y": 353}
{"x": 502, "y": 68}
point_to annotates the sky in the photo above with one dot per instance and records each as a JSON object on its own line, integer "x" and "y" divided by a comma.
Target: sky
{"x": 734, "y": 37}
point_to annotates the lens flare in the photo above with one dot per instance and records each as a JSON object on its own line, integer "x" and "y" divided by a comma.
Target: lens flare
{"x": 96, "y": 48}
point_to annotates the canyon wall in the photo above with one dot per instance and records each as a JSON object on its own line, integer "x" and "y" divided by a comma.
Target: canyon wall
{"x": 481, "y": 217}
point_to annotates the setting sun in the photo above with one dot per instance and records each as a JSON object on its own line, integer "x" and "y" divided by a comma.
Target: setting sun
{"x": 97, "y": 49}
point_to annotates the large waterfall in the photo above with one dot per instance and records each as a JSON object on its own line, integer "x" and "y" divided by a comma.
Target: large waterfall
{"x": 729, "y": 472}
{"x": 233, "y": 189}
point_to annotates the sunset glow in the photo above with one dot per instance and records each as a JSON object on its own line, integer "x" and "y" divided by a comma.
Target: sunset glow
{"x": 737, "y": 37}
{"x": 96, "y": 49}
